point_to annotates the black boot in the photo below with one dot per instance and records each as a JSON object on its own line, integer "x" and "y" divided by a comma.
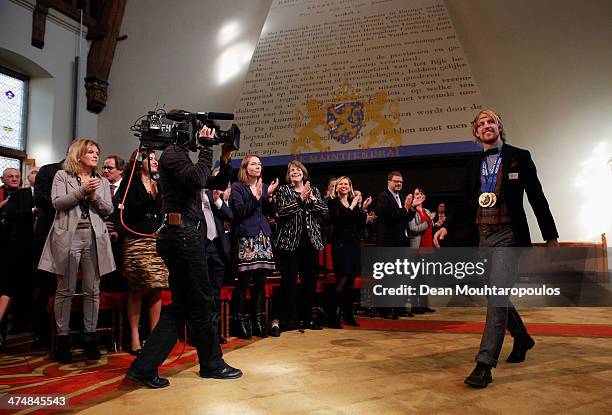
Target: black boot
{"x": 259, "y": 316}
{"x": 520, "y": 348}
{"x": 3, "y": 332}
{"x": 333, "y": 314}
{"x": 90, "y": 346}
{"x": 242, "y": 327}
{"x": 348, "y": 312}
{"x": 275, "y": 330}
{"x": 63, "y": 354}
{"x": 259, "y": 325}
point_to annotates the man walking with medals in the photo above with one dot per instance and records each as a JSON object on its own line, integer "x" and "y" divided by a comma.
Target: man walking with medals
{"x": 492, "y": 203}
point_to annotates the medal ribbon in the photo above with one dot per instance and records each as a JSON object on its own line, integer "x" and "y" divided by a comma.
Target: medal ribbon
{"x": 486, "y": 186}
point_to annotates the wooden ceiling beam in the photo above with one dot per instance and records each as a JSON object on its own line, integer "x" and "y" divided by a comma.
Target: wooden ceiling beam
{"x": 41, "y": 9}
{"x": 101, "y": 55}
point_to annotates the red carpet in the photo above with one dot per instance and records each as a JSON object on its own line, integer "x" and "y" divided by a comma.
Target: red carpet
{"x": 536, "y": 329}
{"x": 86, "y": 385}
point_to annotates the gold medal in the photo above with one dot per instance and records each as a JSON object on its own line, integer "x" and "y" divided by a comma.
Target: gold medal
{"x": 493, "y": 199}
{"x": 487, "y": 199}
{"x": 484, "y": 199}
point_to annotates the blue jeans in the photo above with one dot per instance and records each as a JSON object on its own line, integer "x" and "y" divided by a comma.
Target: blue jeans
{"x": 193, "y": 303}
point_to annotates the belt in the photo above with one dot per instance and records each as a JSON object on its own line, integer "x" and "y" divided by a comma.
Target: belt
{"x": 492, "y": 228}
{"x": 186, "y": 222}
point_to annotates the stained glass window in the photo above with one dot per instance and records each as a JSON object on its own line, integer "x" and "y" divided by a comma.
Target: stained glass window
{"x": 12, "y": 111}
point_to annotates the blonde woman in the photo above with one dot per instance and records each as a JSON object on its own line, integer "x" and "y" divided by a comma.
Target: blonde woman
{"x": 348, "y": 213}
{"x": 78, "y": 240}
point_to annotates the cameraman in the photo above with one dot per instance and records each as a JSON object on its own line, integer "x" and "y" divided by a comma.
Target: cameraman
{"x": 181, "y": 245}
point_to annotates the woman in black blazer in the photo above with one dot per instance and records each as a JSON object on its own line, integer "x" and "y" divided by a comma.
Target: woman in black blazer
{"x": 300, "y": 209}
{"x": 349, "y": 217}
{"x": 250, "y": 202}
{"x": 143, "y": 268}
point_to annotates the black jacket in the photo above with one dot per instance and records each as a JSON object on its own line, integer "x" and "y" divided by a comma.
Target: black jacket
{"x": 516, "y": 163}
{"x": 293, "y": 213}
{"x": 223, "y": 214}
{"x": 180, "y": 180}
{"x": 392, "y": 221}
{"x": 20, "y": 216}
{"x": 42, "y": 200}
{"x": 142, "y": 212}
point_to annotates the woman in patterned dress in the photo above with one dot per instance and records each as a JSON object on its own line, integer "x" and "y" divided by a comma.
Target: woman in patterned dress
{"x": 250, "y": 203}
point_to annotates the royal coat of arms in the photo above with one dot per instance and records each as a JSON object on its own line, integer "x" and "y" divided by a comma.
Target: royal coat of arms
{"x": 348, "y": 117}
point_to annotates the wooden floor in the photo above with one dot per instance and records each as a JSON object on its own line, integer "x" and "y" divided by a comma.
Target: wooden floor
{"x": 393, "y": 372}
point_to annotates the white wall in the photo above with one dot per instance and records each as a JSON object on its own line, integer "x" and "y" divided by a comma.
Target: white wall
{"x": 546, "y": 65}
{"x": 173, "y": 56}
{"x": 50, "y": 118}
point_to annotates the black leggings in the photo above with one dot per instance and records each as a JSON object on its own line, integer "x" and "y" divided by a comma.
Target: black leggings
{"x": 258, "y": 294}
{"x": 302, "y": 261}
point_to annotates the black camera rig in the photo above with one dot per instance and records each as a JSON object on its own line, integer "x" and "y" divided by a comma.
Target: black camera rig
{"x": 157, "y": 129}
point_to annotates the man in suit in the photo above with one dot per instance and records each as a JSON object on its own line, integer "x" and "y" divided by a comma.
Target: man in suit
{"x": 45, "y": 282}
{"x": 492, "y": 202}
{"x": 216, "y": 242}
{"x": 20, "y": 213}
{"x": 11, "y": 179}
{"x": 394, "y": 213}
{"x": 440, "y": 217}
{"x": 113, "y": 171}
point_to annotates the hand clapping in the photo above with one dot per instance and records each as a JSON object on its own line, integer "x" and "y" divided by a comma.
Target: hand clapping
{"x": 356, "y": 200}
{"x": 408, "y": 202}
{"x": 305, "y": 193}
{"x": 258, "y": 188}
{"x": 90, "y": 185}
{"x": 273, "y": 186}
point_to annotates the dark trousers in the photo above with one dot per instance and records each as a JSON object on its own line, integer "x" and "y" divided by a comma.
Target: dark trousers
{"x": 22, "y": 274}
{"x": 216, "y": 267}
{"x": 302, "y": 261}
{"x": 46, "y": 285}
{"x": 501, "y": 314}
{"x": 192, "y": 302}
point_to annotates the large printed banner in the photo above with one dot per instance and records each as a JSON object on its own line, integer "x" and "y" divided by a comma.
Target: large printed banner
{"x": 335, "y": 80}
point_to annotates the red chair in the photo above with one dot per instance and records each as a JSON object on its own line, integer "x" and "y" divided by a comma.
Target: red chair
{"x": 113, "y": 302}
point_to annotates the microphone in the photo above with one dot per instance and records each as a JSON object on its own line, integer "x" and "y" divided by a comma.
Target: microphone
{"x": 177, "y": 116}
{"x": 217, "y": 115}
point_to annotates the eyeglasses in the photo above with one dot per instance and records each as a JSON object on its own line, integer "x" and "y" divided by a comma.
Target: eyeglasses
{"x": 397, "y": 181}
{"x": 108, "y": 168}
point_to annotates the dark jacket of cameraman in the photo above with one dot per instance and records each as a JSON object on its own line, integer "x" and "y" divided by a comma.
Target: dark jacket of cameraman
{"x": 181, "y": 180}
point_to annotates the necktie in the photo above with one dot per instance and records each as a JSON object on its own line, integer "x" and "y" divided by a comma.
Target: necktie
{"x": 211, "y": 229}
{"x": 113, "y": 187}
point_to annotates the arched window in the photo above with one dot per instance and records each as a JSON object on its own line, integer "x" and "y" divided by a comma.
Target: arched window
{"x": 13, "y": 110}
